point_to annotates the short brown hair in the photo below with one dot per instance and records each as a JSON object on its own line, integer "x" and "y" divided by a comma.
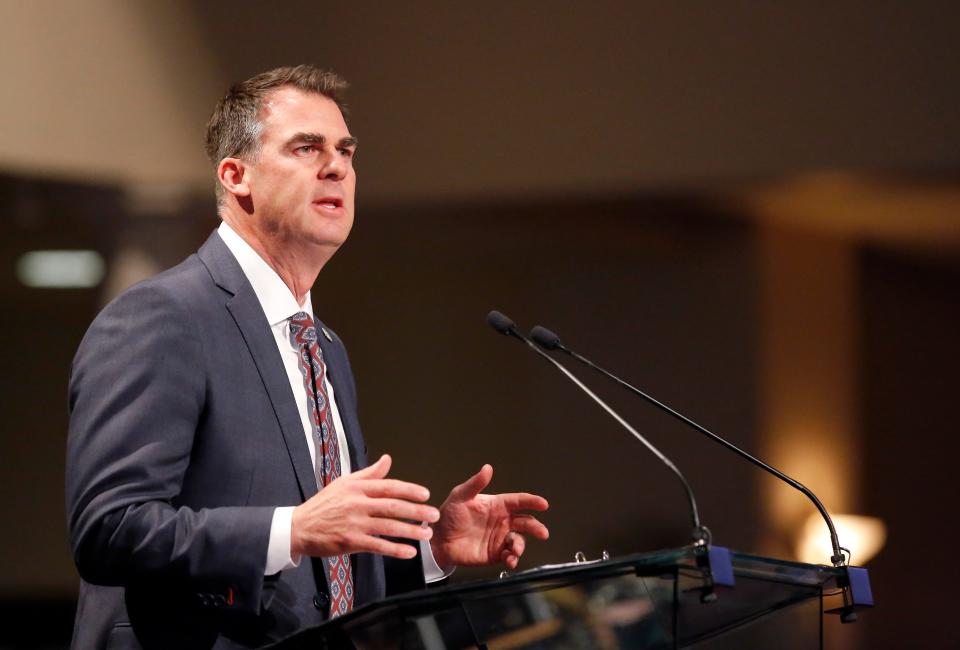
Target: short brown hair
{"x": 234, "y": 127}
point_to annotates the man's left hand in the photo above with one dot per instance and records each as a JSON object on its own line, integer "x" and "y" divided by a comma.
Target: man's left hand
{"x": 478, "y": 529}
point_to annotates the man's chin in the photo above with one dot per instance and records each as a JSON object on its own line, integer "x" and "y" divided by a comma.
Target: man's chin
{"x": 327, "y": 241}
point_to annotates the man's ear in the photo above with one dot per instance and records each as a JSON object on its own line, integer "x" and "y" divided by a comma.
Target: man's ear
{"x": 233, "y": 176}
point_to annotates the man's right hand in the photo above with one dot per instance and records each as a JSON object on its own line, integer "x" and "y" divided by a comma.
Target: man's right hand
{"x": 352, "y": 512}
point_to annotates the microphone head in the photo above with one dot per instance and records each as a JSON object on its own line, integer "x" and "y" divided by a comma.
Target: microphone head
{"x": 545, "y": 338}
{"x": 501, "y": 323}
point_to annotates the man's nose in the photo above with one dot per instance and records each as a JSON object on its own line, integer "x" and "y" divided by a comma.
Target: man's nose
{"x": 334, "y": 166}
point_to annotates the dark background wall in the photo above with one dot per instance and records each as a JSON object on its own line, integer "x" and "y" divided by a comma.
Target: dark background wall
{"x": 445, "y": 393}
{"x": 911, "y": 355}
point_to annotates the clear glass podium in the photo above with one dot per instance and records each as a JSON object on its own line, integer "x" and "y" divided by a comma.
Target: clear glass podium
{"x": 682, "y": 598}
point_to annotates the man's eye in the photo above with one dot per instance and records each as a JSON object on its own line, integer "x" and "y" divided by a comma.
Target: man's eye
{"x": 346, "y": 152}
{"x": 305, "y": 149}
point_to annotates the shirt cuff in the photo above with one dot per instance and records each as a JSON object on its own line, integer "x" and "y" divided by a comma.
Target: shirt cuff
{"x": 278, "y": 549}
{"x": 431, "y": 570}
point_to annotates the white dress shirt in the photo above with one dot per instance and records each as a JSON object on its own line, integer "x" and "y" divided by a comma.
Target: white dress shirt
{"x": 278, "y": 306}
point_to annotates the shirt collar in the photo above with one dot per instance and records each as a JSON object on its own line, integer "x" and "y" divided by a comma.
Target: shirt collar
{"x": 273, "y": 294}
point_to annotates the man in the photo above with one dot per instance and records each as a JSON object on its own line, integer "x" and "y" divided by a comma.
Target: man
{"x": 218, "y": 488}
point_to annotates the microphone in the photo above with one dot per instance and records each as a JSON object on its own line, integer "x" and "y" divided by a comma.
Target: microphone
{"x": 550, "y": 341}
{"x": 504, "y": 325}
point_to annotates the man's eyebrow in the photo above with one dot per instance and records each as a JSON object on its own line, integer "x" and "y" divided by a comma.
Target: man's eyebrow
{"x": 316, "y": 138}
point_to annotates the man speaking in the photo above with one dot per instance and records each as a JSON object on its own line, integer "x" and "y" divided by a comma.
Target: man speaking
{"x": 219, "y": 493}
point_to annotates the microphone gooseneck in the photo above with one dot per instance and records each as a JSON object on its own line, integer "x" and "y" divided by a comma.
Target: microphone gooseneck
{"x": 503, "y": 324}
{"x": 550, "y": 341}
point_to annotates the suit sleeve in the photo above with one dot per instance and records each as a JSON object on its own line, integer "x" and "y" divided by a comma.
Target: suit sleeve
{"x": 136, "y": 397}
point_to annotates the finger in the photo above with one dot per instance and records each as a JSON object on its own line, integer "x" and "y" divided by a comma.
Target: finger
{"x": 509, "y": 559}
{"x": 371, "y": 544}
{"x": 399, "y": 509}
{"x": 473, "y": 485}
{"x": 524, "y": 501}
{"x": 516, "y": 544}
{"x": 394, "y": 528}
{"x": 529, "y": 525}
{"x": 378, "y": 470}
{"x": 390, "y": 487}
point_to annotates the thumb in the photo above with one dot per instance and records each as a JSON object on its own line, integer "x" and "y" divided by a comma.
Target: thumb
{"x": 377, "y": 470}
{"x": 474, "y": 485}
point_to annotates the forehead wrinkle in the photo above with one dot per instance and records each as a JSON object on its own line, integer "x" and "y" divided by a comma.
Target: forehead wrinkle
{"x": 275, "y": 104}
{"x": 272, "y": 104}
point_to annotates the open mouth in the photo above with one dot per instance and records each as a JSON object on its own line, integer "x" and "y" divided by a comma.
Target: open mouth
{"x": 329, "y": 202}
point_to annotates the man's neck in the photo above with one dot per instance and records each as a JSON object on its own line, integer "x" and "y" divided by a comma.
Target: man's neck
{"x": 295, "y": 266}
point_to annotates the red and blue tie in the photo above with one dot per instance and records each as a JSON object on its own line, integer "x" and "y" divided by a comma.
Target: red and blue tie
{"x": 303, "y": 336}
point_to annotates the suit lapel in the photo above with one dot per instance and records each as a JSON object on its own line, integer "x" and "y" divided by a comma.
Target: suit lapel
{"x": 248, "y": 315}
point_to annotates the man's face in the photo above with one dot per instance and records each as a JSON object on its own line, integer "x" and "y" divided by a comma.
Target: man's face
{"x": 302, "y": 184}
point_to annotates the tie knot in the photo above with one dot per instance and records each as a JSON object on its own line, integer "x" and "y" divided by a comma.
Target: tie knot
{"x": 301, "y": 328}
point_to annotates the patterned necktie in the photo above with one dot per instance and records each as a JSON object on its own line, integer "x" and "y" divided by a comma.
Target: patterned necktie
{"x": 303, "y": 336}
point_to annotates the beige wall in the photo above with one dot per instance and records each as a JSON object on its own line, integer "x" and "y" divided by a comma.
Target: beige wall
{"x": 104, "y": 90}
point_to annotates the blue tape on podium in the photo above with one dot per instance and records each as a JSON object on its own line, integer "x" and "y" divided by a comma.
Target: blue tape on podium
{"x": 860, "y": 590}
{"x": 721, "y": 566}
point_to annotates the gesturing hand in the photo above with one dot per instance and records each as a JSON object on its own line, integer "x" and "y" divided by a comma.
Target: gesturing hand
{"x": 349, "y": 514}
{"x": 477, "y": 529}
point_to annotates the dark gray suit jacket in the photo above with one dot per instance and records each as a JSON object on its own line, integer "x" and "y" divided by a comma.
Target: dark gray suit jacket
{"x": 184, "y": 437}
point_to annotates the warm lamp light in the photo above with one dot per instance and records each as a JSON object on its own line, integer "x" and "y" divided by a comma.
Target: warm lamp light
{"x": 864, "y": 536}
